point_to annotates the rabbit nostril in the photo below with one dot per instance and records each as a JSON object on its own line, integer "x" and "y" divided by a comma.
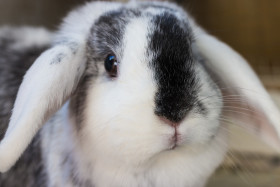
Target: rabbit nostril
{"x": 170, "y": 123}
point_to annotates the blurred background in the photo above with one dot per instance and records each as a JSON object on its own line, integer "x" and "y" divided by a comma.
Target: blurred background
{"x": 252, "y": 27}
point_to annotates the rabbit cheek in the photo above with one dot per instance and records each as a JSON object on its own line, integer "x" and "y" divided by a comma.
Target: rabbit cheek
{"x": 120, "y": 120}
{"x": 203, "y": 122}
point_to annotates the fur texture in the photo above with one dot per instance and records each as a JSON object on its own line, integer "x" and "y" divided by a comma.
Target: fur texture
{"x": 157, "y": 124}
{"x": 18, "y": 51}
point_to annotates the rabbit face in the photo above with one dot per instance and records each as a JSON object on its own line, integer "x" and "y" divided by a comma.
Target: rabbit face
{"x": 157, "y": 101}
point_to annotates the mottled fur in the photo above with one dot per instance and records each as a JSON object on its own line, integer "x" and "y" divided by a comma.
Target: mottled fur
{"x": 14, "y": 62}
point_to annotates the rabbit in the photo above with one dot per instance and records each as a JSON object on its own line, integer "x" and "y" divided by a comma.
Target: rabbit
{"x": 123, "y": 95}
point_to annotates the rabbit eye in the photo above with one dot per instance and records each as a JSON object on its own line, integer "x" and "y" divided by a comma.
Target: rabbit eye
{"x": 111, "y": 65}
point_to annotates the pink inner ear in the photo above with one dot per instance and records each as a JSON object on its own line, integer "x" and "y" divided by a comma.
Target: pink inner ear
{"x": 253, "y": 119}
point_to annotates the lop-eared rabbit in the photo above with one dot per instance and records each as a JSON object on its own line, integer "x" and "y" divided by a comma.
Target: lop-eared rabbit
{"x": 123, "y": 95}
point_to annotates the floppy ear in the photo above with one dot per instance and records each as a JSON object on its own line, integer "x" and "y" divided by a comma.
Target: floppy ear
{"x": 46, "y": 86}
{"x": 246, "y": 101}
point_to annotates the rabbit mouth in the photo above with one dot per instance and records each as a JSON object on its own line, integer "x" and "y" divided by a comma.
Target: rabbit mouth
{"x": 175, "y": 140}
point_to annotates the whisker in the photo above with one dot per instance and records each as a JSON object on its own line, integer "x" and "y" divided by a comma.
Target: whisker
{"x": 243, "y": 111}
{"x": 251, "y": 129}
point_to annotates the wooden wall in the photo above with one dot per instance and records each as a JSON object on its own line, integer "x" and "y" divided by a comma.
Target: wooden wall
{"x": 252, "y": 27}
{"x": 35, "y": 12}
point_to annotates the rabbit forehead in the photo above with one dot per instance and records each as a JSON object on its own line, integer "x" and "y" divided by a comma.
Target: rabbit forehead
{"x": 107, "y": 32}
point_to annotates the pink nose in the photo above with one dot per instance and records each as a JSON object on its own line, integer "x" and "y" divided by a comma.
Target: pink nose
{"x": 170, "y": 123}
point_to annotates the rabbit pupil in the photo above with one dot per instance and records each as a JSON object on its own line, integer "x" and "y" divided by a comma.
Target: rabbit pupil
{"x": 111, "y": 65}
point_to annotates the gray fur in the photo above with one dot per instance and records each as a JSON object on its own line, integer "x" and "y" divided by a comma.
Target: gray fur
{"x": 58, "y": 58}
{"x": 29, "y": 170}
{"x": 71, "y": 44}
{"x": 68, "y": 165}
{"x": 107, "y": 33}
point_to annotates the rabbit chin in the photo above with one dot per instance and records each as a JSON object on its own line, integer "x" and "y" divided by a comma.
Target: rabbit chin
{"x": 125, "y": 151}
{"x": 135, "y": 142}
{"x": 143, "y": 156}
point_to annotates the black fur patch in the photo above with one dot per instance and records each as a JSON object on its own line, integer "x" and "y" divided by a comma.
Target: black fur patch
{"x": 173, "y": 65}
